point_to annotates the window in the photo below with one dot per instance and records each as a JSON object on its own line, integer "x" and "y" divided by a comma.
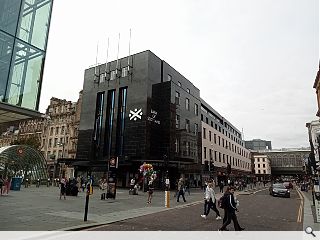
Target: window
{"x": 188, "y": 148}
{"x": 177, "y": 121}
{"x": 109, "y": 122}
{"x": 215, "y": 155}
{"x": 207, "y": 120}
{"x": 188, "y": 125}
{"x": 169, "y": 78}
{"x": 264, "y": 171}
{"x": 50, "y": 142}
{"x": 177, "y": 98}
{"x": 179, "y": 84}
{"x": 196, "y": 129}
{"x": 219, "y": 140}
{"x": 205, "y": 152}
{"x": 210, "y": 154}
{"x": 215, "y": 138}
{"x": 57, "y": 130}
{"x": 196, "y": 109}
{"x": 259, "y": 171}
{"x": 258, "y": 165}
{"x": 122, "y": 102}
{"x": 177, "y": 144}
{"x": 201, "y": 117}
{"x": 188, "y": 104}
{"x": 51, "y": 131}
{"x": 219, "y": 157}
{"x": 124, "y": 71}
{"x": 188, "y": 90}
{"x": 113, "y": 75}
{"x": 204, "y": 133}
{"x": 55, "y": 142}
{"x": 210, "y": 136}
{"x": 264, "y": 165}
{"x": 101, "y": 80}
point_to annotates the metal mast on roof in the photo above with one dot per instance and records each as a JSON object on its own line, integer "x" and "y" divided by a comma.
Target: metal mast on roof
{"x": 107, "y": 72}
{"x": 129, "y": 67}
{"x": 96, "y": 76}
{"x": 129, "y": 48}
{"x": 118, "y": 56}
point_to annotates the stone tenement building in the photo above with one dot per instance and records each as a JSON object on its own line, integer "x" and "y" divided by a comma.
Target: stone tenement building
{"x": 57, "y": 132}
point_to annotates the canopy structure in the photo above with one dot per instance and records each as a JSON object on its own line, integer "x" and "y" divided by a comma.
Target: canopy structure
{"x": 24, "y": 161}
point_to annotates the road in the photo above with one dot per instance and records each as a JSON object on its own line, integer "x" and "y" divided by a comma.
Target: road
{"x": 257, "y": 212}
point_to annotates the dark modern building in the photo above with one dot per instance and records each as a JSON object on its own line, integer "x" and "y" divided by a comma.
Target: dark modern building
{"x": 140, "y": 109}
{"x": 258, "y": 144}
{"x": 24, "y": 27}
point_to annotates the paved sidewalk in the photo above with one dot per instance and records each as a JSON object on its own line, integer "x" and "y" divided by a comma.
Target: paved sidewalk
{"x": 309, "y": 215}
{"x": 34, "y": 209}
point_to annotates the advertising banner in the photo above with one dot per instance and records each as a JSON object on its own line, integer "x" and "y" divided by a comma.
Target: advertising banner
{"x": 112, "y": 177}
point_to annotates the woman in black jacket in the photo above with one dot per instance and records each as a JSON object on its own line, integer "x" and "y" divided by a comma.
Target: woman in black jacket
{"x": 230, "y": 207}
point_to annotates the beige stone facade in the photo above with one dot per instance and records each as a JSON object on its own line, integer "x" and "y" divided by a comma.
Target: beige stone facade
{"x": 262, "y": 167}
{"x": 220, "y": 149}
{"x": 57, "y": 132}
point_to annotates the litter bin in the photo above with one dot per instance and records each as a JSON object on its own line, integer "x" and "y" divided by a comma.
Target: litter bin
{"x": 16, "y": 183}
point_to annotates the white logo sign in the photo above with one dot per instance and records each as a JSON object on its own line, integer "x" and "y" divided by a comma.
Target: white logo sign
{"x": 153, "y": 116}
{"x": 135, "y": 114}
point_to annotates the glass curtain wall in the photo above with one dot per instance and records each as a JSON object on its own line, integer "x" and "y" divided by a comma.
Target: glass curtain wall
{"x": 24, "y": 26}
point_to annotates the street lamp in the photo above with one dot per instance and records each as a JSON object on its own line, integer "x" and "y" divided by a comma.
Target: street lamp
{"x": 210, "y": 157}
{"x": 61, "y": 144}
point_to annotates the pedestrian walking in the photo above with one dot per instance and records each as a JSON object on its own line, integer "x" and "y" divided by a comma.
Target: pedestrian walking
{"x": 230, "y": 206}
{"x": 103, "y": 187}
{"x": 181, "y": 190}
{"x": 187, "y": 187}
{"x": 132, "y": 183}
{"x": 1, "y": 184}
{"x": 38, "y": 183}
{"x": 210, "y": 202}
{"x": 6, "y": 185}
{"x": 176, "y": 188}
{"x": 63, "y": 187}
{"x": 78, "y": 183}
{"x": 150, "y": 190}
{"x": 221, "y": 186}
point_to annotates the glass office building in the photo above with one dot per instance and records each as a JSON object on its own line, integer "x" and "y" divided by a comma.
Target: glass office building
{"x": 24, "y": 28}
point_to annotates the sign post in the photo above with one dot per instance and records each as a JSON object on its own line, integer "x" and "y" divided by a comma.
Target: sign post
{"x": 112, "y": 177}
{"x": 88, "y": 193}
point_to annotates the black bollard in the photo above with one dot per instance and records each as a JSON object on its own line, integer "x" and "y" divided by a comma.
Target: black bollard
{"x": 86, "y": 207}
{"x": 89, "y": 191}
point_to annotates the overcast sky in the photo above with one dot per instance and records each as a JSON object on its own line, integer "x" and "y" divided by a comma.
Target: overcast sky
{"x": 254, "y": 62}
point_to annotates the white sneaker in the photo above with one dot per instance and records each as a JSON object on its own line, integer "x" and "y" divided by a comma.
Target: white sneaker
{"x": 203, "y": 216}
{"x": 218, "y": 218}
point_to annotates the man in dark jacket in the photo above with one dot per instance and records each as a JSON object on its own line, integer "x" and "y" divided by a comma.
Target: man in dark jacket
{"x": 230, "y": 207}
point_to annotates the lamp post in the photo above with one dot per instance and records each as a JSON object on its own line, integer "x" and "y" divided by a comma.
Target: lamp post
{"x": 210, "y": 157}
{"x": 61, "y": 144}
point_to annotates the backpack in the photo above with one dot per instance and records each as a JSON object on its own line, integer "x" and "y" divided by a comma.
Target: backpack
{"x": 222, "y": 201}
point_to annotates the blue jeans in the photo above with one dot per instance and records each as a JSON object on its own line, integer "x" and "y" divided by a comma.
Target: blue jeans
{"x": 181, "y": 193}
